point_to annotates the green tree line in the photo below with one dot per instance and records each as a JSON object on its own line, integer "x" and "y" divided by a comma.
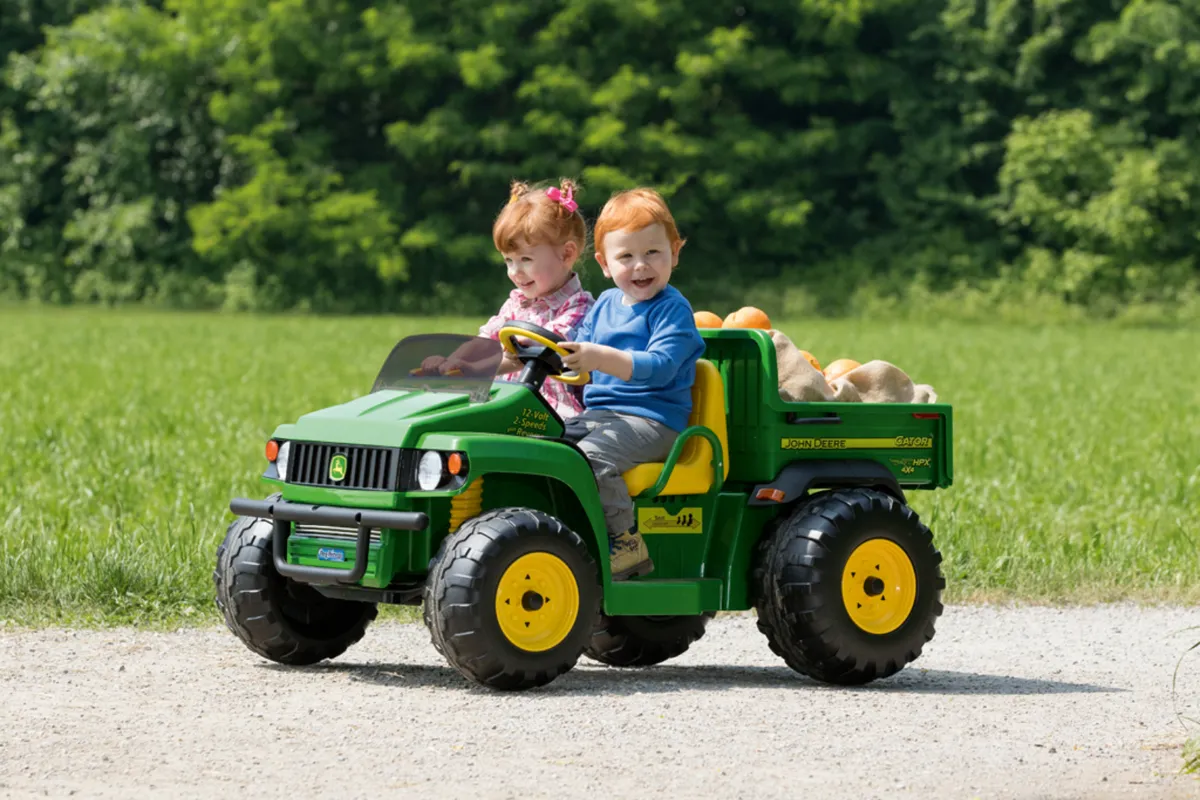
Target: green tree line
{"x": 819, "y": 154}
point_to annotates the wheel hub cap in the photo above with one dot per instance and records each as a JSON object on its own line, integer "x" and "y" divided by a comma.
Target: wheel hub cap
{"x": 879, "y": 586}
{"x": 537, "y": 602}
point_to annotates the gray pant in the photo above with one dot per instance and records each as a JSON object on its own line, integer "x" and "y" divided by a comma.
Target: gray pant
{"x": 613, "y": 444}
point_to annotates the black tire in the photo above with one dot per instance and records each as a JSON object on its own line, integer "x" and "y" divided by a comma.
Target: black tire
{"x": 435, "y": 634}
{"x": 461, "y": 597}
{"x": 645, "y": 641}
{"x": 280, "y": 619}
{"x": 799, "y": 577}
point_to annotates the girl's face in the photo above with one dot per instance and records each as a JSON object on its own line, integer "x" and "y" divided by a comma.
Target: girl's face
{"x": 542, "y": 269}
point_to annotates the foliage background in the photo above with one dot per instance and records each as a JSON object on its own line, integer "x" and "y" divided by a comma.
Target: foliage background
{"x": 965, "y": 157}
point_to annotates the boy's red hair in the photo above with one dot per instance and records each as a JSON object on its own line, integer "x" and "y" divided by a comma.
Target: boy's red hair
{"x": 532, "y": 217}
{"x": 633, "y": 210}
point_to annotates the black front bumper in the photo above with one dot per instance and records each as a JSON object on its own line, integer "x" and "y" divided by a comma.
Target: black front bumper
{"x": 283, "y": 513}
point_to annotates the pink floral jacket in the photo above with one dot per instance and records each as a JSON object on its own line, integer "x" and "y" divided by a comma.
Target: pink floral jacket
{"x": 561, "y": 312}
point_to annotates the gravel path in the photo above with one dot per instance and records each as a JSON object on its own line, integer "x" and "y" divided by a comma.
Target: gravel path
{"x": 1006, "y": 702}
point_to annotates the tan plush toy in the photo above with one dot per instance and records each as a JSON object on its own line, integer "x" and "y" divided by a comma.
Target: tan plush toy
{"x": 881, "y": 382}
{"x": 873, "y": 382}
{"x": 799, "y": 381}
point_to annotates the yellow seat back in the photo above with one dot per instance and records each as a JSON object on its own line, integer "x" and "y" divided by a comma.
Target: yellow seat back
{"x": 693, "y": 471}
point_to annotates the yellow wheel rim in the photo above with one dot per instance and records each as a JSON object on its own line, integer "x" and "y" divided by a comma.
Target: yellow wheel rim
{"x": 537, "y": 602}
{"x": 879, "y": 586}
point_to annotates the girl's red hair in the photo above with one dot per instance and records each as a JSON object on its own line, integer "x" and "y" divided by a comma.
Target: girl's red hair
{"x": 532, "y": 217}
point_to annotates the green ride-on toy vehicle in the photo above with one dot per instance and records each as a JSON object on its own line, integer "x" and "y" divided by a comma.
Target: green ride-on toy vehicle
{"x": 456, "y": 492}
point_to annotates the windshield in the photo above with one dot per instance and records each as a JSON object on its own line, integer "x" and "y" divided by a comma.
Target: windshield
{"x": 442, "y": 362}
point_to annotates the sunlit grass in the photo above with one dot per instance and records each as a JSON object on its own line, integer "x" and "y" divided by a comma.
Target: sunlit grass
{"x": 1077, "y": 450}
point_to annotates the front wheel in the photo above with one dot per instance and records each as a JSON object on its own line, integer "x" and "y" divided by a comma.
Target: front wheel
{"x": 645, "y": 641}
{"x": 280, "y": 619}
{"x": 849, "y": 587}
{"x": 512, "y": 598}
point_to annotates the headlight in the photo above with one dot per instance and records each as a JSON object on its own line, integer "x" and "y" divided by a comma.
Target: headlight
{"x": 281, "y": 460}
{"x": 429, "y": 471}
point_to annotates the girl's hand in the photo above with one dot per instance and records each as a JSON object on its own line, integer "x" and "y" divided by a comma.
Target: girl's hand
{"x": 510, "y": 363}
{"x": 432, "y": 364}
{"x": 451, "y": 364}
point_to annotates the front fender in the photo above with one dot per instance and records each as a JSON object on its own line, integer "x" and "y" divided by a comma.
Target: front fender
{"x": 489, "y": 453}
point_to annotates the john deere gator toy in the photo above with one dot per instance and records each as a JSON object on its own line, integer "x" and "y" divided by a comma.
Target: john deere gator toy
{"x": 455, "y": 492}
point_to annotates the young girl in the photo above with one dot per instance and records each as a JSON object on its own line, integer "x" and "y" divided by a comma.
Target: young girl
{"x": 541, "y": 234}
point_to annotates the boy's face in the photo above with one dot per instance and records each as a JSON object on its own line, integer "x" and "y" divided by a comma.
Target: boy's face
{"x": 638, "y": 262}
{"x": 541, "y": 269}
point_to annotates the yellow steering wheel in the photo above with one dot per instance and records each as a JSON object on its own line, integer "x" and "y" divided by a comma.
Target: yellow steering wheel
{"x": 510, "y": 332}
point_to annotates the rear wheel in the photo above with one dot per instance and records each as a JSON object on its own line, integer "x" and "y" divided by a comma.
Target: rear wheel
{"x": 645, "y": 641}
{"x": 512, "y": 598}
{"x": 849, "y": 587}
{"x": 280, "y": 619}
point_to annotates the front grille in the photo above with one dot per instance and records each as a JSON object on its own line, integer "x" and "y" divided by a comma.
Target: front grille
{"x": 366, "y": 467}
{"x": 349, "y": 535}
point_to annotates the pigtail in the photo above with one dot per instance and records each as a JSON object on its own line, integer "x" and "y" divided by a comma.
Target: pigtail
{"x": 574, "y": 226}
{"x": 569, "y": 189}
{"x": 517, "y": 190}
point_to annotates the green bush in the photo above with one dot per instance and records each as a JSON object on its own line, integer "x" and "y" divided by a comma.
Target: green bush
{"x": 820, "y": 156}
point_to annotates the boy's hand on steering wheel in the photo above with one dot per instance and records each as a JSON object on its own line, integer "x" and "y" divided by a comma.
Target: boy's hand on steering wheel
{"x": 590, "y": 357}
{"x": 582, "y": 356}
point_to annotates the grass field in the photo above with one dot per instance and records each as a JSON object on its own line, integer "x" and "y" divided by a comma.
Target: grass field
{"x": 1077, "y": 450}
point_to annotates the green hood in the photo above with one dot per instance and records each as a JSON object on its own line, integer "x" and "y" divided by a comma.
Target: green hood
{"x": 397, "y": 418}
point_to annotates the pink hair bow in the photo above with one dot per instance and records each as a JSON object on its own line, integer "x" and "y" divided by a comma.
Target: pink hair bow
{"x": 565, "y": 200}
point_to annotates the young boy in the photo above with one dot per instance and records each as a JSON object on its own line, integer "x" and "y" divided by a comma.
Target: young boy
{"x": 641, "y": 344}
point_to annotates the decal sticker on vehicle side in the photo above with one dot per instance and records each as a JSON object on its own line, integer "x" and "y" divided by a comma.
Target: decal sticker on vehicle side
{"x": 890, "y": 443}
{"x": 657, "y": 520}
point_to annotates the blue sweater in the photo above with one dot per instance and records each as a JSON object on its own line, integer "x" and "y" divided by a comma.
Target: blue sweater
{"x": 660, "y": 334}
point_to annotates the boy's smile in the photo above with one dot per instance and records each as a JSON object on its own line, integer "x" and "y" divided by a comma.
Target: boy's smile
{"x": 639, "y": 262}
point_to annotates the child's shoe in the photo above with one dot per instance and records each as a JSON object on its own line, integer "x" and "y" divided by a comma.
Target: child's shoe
{"x": 629, "y": 555}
